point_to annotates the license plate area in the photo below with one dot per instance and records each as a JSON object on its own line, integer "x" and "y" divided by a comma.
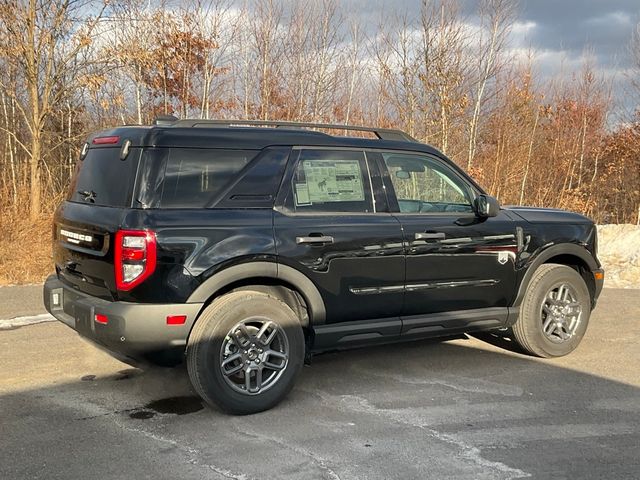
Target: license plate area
{"x": 81, "y": 313}
{"x": 84, "y": 317}
{"x": 56, "y": 299}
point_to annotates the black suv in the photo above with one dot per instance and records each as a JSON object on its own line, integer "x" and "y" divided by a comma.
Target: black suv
{"x": 246, "y": 246}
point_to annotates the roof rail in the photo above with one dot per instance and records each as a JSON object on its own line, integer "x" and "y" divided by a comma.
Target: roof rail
{"x": 381, "y": 133}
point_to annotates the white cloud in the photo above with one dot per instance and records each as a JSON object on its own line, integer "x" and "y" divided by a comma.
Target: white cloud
{"x": 523, "y": 28}
{"x": 616, "y": 17}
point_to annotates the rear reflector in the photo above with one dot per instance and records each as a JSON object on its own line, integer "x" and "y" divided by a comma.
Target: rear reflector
{"x": 100, "y": 318}
{"x": 176, "y": 319}
{"x": 105, "y": 140}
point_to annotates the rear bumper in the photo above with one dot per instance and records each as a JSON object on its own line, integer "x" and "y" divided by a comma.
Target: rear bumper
{"x": 134, "y": 331}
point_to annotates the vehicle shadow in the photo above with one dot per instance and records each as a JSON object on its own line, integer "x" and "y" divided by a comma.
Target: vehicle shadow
{"x": 499, "y": 339}
{"x": 420, "y": 406}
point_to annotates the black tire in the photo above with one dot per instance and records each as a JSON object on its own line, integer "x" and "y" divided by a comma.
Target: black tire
{"x": 528, "y": 330}
{"x": 210, "y": 335}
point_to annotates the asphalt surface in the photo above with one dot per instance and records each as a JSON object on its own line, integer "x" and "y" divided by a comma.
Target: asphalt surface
{"x": 21, "y": 301}
{"x": 462, "y": 409}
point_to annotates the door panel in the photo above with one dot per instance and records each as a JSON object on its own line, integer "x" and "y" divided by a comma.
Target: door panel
{"x": 454, "y": 260}
{"x": 331, "y": 224}
{"x": 360, "y": 274}
{"x": 469, "y": 265}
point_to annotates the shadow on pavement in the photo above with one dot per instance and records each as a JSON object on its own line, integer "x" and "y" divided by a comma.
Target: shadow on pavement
{"x": 457, "y": 409}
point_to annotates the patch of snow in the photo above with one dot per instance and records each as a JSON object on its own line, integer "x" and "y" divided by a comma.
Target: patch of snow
{"x": 619, "y": 253}
{"x": 17, "y": 322}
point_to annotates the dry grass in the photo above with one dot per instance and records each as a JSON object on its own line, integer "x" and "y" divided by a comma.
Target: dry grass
{"x": 25, "y": 251}
{"x": 25, "y": 245}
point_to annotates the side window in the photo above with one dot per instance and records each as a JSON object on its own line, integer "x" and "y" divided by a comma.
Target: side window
{"x": 187, "y": 177}
{"x": 330, "y": 181}
{"x": 426, "y": 185}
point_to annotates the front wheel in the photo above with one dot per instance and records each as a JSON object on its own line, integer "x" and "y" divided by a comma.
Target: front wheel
{"x": 555, "y": 312}
{"x": 245, "y": 352}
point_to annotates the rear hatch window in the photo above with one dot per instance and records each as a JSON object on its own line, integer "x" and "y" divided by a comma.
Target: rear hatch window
{"x": 102, "y": 179}
{"x": 187, "y": 177}
{"x": 99, "y": 194}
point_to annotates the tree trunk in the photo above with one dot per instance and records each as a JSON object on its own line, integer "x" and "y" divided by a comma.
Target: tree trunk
{"x": 583, "y": 143}
{"x": 138, "y": 94}
{"x": 529, "y": 153}
{"x": 444, "y": 127}
{"x": 10, "y": 151}
{"x": 69, "y": 141}
{"x": 34, "y": 174}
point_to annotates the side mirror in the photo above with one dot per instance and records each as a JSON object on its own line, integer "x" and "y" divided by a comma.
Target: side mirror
{"x": 486, "y": 206}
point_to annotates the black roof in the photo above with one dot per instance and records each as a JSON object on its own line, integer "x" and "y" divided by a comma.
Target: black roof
{"x": 195, "y": 134}
{"x": 245, "y": 137}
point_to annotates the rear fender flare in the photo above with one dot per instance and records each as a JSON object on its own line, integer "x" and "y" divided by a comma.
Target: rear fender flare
{"x": 247, "y": 271}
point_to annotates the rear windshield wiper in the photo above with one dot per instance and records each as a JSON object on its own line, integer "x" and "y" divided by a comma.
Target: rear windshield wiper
{"x": 142, "y": 204}
{"x": 88, "y": 195}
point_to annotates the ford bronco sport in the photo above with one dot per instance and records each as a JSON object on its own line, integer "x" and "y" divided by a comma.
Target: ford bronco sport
{"x": 245, "y": 246}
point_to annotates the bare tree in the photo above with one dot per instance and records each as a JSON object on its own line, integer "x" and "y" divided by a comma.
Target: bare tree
{"x": 265, "y": 29}
{"x": 496, "y": 20}
{"x": 130, "y": 45}
{"x": 353, "y": 65}
{"x": 296, "y": 81}
{"x": 444, "y": 70}
{"x": 397, "y": 55}
{"x": 446, "y": 79}
{"x": 215, "y": 23}
{"x": 634, "y": 76}
{"x": 45, "y": 40}
{"x": 325, "y": 39}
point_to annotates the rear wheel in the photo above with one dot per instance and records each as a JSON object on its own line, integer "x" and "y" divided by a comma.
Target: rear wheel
{"x": 555, "y": 312}
{"x": 245, "y": 352}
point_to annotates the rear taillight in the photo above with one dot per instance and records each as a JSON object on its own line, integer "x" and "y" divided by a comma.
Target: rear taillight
{"x": 135, "y": 257}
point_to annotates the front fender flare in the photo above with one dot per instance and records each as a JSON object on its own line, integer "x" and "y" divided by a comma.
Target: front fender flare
{"x": 553, "y": 251}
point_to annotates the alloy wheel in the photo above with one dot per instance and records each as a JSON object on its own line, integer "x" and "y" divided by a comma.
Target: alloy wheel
{"x": 254, "y": 355}
{"x": 560, "y": 313}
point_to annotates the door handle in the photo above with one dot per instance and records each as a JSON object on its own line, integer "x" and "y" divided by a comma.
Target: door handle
{"x": 314, "y": 239}
{"x": 430, "y": 236}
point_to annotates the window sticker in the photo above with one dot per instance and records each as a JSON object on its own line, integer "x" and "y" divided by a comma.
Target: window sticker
{"x": 302, "y": 194}
{"x": 331, "y": 181}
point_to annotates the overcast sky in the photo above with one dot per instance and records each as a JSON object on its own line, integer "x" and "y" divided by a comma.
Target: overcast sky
{"x": 571, "y": 25}
{"x": 555, "y": 26}
{"x": 558, "y": 31}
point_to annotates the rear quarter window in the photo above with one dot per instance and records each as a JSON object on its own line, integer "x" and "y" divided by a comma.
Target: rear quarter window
{"x": 187, "y": 177}
{"x": 101, "y": 178}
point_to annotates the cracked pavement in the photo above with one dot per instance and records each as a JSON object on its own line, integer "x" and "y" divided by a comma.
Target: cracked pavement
{"x": 463, "y": 409}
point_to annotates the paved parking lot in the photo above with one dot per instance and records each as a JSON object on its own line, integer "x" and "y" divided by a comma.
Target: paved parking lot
{"x": 461, "y": 409}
